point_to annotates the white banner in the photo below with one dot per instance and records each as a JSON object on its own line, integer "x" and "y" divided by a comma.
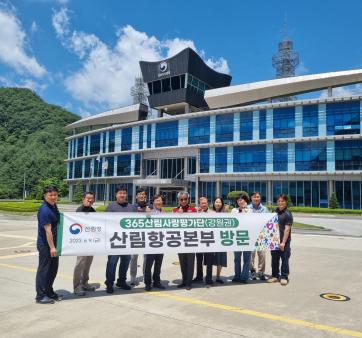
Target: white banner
{"x": 108, "y": 233}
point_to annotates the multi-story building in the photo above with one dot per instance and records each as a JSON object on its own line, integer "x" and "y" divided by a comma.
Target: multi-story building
{"x": 216, "y": 138}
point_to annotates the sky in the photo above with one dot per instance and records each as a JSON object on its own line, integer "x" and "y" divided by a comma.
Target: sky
{"x": 83, "y": 55}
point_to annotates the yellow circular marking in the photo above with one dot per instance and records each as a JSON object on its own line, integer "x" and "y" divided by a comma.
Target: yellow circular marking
{"x": 335, "y": 297}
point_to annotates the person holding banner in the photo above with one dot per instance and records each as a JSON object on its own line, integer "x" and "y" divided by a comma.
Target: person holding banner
{"x": 83, "y": 264}
{"x": 141, "y": 206}
{"x": 220, "y": 258}
{"x": 156, "y": 259}
{"x": 187, "y": 260}
{"x": 48, "y": 219}
{"x": 242, "y": 276}
{"x": 204, "y": 258}
{"x": 120, "y": 205}
{"x": 285, "y": 221}
{"x": 257, "y": 207}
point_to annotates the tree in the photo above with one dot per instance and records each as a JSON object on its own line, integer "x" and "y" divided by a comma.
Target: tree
{"x": 234, "y": 195}
{"x": 60, "y": 184}
{"x": 333, "y": 201}
{"x": 78, "y": 193}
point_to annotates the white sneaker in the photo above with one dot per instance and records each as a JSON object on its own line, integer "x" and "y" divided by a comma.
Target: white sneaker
{"x": 284, "y": 282}
{"x": 273, "y": 280}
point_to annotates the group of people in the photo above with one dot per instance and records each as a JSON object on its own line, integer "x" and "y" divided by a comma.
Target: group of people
{"x": 48, "y": 219}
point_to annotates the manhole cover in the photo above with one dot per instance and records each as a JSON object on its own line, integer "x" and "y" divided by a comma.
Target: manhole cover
{"x": 335, "y": 297}
{"x": 22, "y": 251}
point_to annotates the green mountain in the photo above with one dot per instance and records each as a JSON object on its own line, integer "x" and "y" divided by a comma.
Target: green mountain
{"x": 31, "y": 141}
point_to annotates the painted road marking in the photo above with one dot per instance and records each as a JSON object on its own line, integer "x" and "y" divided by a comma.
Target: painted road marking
{"x": 235, "y": 309}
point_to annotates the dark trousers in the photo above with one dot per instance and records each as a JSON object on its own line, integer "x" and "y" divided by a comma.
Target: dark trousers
{"x": 149, "y": 261}
{"x": 112, "y": 266}
{"x": 201, "y": 259}
{"x": 187, "y": 263}
{"x": 46, "y": 273}
{"x": 277, "y": 256}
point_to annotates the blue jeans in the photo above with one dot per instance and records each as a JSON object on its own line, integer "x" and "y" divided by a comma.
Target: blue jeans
{"x": 112, "y": 266}
{"x": 243, "y": 275}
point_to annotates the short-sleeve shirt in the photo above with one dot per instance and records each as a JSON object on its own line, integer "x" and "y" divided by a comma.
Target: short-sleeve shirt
{"x": 285, "y": 217}
{"x": 47, "y": 214}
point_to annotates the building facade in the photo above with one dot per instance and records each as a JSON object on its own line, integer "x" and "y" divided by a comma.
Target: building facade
{"x": 306, "y": 149}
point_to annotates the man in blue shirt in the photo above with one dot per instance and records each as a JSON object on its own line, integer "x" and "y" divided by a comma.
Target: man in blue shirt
{"x": 257, "y": 207}
{"x": 48, "y": 219}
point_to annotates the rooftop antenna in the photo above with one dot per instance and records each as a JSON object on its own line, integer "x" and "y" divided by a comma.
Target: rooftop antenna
{"x": 286, "y": 60}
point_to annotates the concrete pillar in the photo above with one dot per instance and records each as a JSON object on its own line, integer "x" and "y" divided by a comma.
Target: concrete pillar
{"x": 269, "y": 193}
{"x": 329, "y": 92}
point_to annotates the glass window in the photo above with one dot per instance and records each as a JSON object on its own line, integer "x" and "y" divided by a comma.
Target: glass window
{"x": 166, "y": 85}
{"x": 149, "y": 135}
{"x": 110, "y": 170}
{"x": 111, "y": 141}
{"x": 221, "y": 160}
{"x": 204, "y": 160}
{"x": 262, "y": 124}
{"x": 280, "y": 157}
{"x": 246, "y": 126}
{"x": 199, "y": 130}
{"x": 250, "y": 158}
{"x": 182, "y": 77}
{"x": 137, "y": 164}
{"x": 172, "y": 168}
{"x": 156, "y": 87}
{"x": 208, "y": 190}
{"x": 78, "y": 169}
{"x": 356, "y": 195}
{"x": 310, "y": 156}
{"x": 87, "y": 168}
{"x": 70, "y": 171}
{"x": 150, "y": 167}
{"x": 124, "y": 165}
{"x": 95, "y": 144}
{"x": 80, "y": 147}
{"x": 310, "y": 120}
{"x": 126, "y": 143}
{"x": 175, "y": 82}
{"x": 140, "y": 137}
{"x": 284, "y": 122}
{"x": 343, "y": 118}
{"x": 348, "y": 155}
{"x": 224, "y": 127}
{"x": 86, "y": 146}
{"x": 104, "y": 142}
{"x": 167, "y": 134}
{"x": 191, "y": 165}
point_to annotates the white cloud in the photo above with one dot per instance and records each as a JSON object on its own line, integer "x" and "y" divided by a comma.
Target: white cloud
{"x": 60, "y": 21}
{"x": 34, "y": 27}
{"x": 13, "y": 46}
{"x": 107, "y": 72}
{"x": 23, "y": 83}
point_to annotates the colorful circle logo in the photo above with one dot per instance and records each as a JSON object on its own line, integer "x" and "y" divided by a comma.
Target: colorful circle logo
{"x": 75, "y": 229}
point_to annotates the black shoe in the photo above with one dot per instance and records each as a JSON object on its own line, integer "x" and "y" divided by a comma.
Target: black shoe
{"x": 197, "y": 280}
{"x": 148, "y": 288}
{"x": 124, "y": 286}
{"x": 55, "y": 296}
{"x": 219, "y": 280}
{"x": 159, "y": 286}
{"x": 109, "y": 289}
{"x": 209, "y": 282}
{"x": 244, "y": 281}
{"x": 262, "y": 277}
{"x": 188, "y": 287}
{"x": 236, "y": 280}
{"x": 45, "y": 300}
{"x": 180, "y": 286}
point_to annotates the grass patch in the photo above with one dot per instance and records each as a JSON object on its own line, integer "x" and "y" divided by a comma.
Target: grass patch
{"x": 297, "y": 225}
{"x": 20, "y": 207}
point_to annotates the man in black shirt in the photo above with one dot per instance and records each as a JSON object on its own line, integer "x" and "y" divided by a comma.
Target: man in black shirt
{"x": 83, "y": 264}
{"x": 285, "y": 221}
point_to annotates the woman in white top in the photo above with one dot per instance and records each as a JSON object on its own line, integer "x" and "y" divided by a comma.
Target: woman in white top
{"x": 242, "y": 276}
